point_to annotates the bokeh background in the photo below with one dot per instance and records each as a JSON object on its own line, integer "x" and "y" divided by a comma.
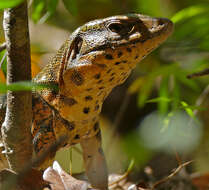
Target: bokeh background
{"x": 158, "y": 117}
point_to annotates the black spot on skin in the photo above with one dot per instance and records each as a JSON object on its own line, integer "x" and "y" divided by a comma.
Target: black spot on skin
{"x": 96, "y": 126}
{"x": 108, "y": 56}
{"x": 97, "y": 76}
{"x": 89, "y": 89}
{"x": 77, "y": 136}
{"x": 87, "y": 98}
{"x": 124, "y": 61}
{"x": 97, "y": 102}
{"x": 136, "y": 57}
{"x": 89, "y": 156}
{"x": 120, "y": 54}
{"x": 68, "y": 101}
{"x": 102, "y": 87}
{"x": 109, "y": 71}
{"x": 100, "y": 81}
{"x": 112, "y": 74}
{"x": 86, "y": 110}
{"x": 96, "y": 107}
{"x": 123, "y": 73}
{"x": 77, "y": 78}
{"x": 129, "y": 50}
{"x": 117, "y": 63}
{"x": 111, "y": 79}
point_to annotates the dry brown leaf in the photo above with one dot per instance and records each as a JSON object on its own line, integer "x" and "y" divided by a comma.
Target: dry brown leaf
{"x": 60, "y": 180}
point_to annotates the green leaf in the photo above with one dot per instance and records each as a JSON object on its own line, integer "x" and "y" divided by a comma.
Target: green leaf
{"x": 25, "y": 86}
{"x": 189, "y": 12}
{"x": 188, "y": 109}
{"x": 158, "y": 99}
{"x": 38, "y": 7}
{"x": 9, "y": 3}
{"x": 71, "y": 6}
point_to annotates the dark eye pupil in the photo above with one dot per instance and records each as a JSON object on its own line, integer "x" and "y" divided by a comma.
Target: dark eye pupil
{"x": 116, "y": 27}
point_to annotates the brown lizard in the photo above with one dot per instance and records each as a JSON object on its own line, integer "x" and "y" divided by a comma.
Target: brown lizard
{"x": 97, "y": 57}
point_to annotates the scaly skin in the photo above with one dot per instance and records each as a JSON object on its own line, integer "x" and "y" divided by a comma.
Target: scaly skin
{"x": 97, "y": 57}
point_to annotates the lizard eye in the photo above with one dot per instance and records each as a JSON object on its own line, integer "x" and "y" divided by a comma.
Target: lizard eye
{"x": 121, "y": 28}
{"x": 116, "y": 27}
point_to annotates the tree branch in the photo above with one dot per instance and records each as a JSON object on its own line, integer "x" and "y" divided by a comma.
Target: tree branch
{"x": 16, "y": 127}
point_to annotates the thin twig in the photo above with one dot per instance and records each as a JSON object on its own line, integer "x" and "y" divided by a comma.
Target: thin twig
{"x": 199, "y": 74}
{"x": 171, "y": 175}
{"x": 3, "y": 46}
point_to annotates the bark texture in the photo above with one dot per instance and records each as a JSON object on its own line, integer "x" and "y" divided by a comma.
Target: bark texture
{"x": 16, "y": 127}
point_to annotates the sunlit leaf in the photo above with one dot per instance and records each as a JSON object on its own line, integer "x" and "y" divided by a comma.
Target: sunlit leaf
{"x": 188, "y": 109}
{"x": 25, "y": 86}
{"x": 71, "y": 6}
{"x": 38, "y": 7}
{"x": 158, "y": 99}
{"x": 9, "y": 3}
{"x": 189, "y": 12}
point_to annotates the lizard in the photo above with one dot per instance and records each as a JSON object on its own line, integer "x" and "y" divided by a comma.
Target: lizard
{"x": 96, "y": 57}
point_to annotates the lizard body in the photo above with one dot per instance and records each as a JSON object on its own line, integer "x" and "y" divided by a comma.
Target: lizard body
{"x": 97, "y": 57}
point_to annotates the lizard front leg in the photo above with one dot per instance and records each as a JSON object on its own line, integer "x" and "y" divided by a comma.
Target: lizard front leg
{"x": 95, "y": 163}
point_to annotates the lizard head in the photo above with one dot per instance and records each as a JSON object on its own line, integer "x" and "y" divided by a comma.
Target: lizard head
{"x": 106, "y": 50}
{"x": 97, "y": 57}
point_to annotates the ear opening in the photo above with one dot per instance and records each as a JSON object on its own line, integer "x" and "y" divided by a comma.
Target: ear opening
{"x": 70, "y": 53}
{"x": 75, "y": 48}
